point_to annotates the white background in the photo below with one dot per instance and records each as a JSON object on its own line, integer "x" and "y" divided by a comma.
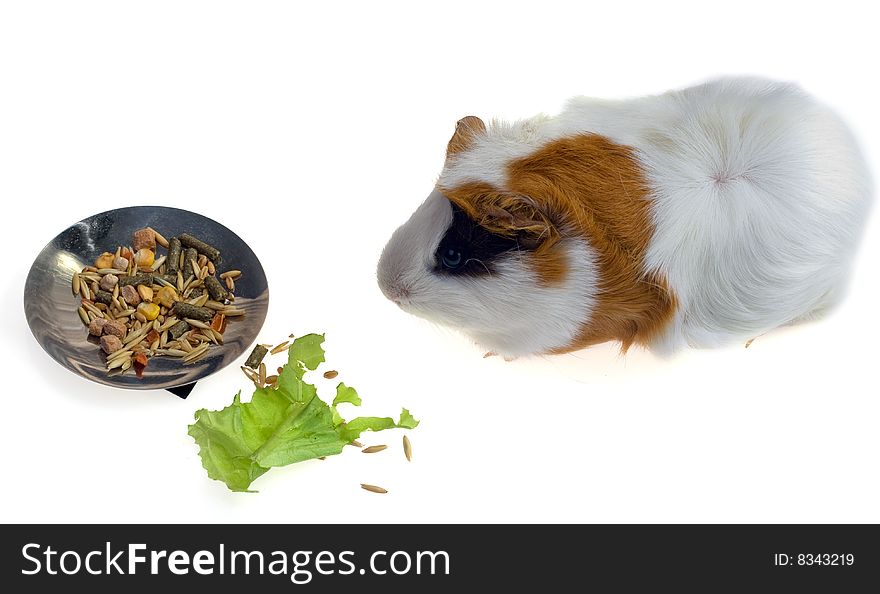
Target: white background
{"x": 313, "y": 130}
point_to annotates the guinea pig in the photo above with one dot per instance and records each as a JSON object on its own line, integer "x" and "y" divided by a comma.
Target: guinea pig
{"x": 697, "y": 217}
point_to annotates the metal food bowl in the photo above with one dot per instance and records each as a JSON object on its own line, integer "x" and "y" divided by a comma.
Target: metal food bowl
{"x": 50, "y": 306}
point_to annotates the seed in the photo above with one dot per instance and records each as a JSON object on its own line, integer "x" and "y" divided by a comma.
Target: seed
{"x": 166, "y": 296}
{"x": 171, "y": 352}
{"x": 373, "y": 488}
{"x": 230, "y": 284}
{"x": 331, "y": 374}
{"x": 179, "y": 281}
{"x": 75, "y": 283}
{"x": 144, "y": 258}
{"x": 231, "y": 274}
{"x": 184, "y": 344}
{"x": 374, "y": 449}
{"x": 150, "y": 311}
{"x": 118, "y": 362}
{"x": 356, "y": 443}
{"x": 141, "y": 318}
{"x": 232, "y": 312}
{"x": 218, "y": 338}
{"x": 407, "y": 448}
{"x": 145, "y": 292}
{"x": 118, "y": 354}
{"x": 83, "y": 316}
{"x": 169, "y": 321}
{"x": 91, "y": 308}
{"x": 195, "y": 267}
{"x": 198, "y": 336}
{"x": 130, "y": 294}
{"x": 278, "y": 348}
{"x": 115, "y": 291}
{"x": 110, "y": 270}
{"x": 160, "y": 239}
{"x": 272, "y": 380}
{"x": 249, "y": 373}
{"x": 84, "y": 291}
{"x": 127, "y": 365}
{"x": 280, "y": 370}
{"x": 135, "y": 335}
{"x": 195, "y": 353}
{"x": 163, "y": 338}
{"x": 157, "y": 263}
{"x": 197, "y": 324}
{"x": 263, "y": 373}
{"x": 105, "y": 260}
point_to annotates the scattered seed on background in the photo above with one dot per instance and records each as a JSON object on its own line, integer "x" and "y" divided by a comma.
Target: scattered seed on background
{"x": 278, "y": 348}
{"x": 373, "y": 488}
{"x": 407, "y": 448}
{"x": 331, "y": 374}
{"x": 374, "y": 449}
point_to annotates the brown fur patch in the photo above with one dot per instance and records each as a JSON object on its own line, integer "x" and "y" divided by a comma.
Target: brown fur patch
{"x": 582, "y": 186}
{"x": 466, "y": 130}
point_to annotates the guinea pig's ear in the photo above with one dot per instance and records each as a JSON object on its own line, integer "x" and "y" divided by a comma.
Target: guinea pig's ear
{"x": 515, "y": 215}
{"x": 466, "y": 130}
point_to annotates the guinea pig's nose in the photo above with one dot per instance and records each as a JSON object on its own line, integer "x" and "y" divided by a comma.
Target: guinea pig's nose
{"x": 395, "y": 291}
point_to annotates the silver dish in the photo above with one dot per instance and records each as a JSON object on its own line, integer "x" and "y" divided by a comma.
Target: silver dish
{"x": 50, "y": 306}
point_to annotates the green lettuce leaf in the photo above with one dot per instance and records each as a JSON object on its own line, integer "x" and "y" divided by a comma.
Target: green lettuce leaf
{"x": 282, "y": 425}
{"x": 407, "y": 421}
{"x": 306, "y": 352}
{"x": 346, "y": 394}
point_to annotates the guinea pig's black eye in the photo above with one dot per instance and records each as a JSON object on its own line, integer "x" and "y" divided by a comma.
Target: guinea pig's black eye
{"x": 451, "y": 258}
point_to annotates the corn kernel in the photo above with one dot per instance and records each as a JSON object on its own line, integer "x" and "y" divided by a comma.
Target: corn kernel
{"x": 144, "y": 258}
{"x": 105, "y": 260}
{"x": 148, "y": 310}
{"x": 166, "y": 296}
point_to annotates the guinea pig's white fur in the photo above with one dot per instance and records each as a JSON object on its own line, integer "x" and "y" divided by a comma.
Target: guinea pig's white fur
{"x": 757, "y": 193}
